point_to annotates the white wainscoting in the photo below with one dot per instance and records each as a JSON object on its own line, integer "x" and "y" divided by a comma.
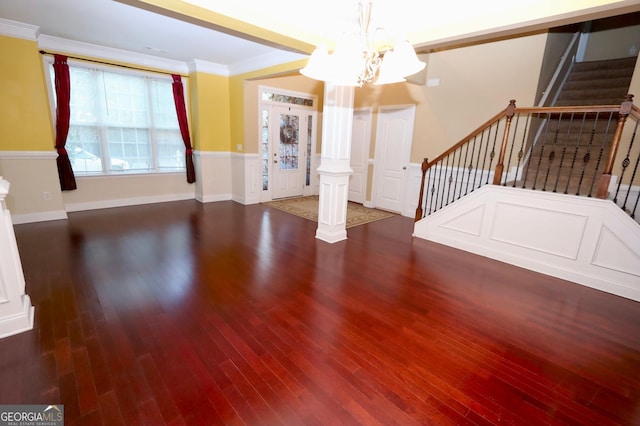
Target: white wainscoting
{"x": 246, "y": 177}
{"x": 213, "y": 171}
{"x": 585, "y": 240}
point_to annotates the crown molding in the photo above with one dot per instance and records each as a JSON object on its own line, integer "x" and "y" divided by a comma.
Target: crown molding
{"x": 57, "y": 44}
{"x": 264, "y": 61}
{"x": 198, "y": 65}
{"x": 18, "y": 30}
{"x": 95, "y": 51}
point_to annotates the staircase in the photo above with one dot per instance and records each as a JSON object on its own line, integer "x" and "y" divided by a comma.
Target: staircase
{"x": 579, "y": 140}
{"x": 476, "y": 196}
{"x": 597, "y": 82}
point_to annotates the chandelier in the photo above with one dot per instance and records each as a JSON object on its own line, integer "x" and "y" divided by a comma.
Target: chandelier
{"x": 356, "y": 61}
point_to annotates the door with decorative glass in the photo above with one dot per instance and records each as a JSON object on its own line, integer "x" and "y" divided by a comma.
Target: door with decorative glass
{"x": 287, "y": 143}
{"x": 289, "y": 133}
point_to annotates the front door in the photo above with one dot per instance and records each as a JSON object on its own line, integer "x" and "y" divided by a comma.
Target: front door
{"x": 289, "y": 151}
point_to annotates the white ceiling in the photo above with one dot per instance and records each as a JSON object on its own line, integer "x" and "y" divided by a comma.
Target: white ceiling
{"x": 130, "y": 25}
{"x": 117, "y": 25}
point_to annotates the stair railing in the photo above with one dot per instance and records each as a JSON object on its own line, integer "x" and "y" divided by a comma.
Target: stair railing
{"x": 568, "y": 149}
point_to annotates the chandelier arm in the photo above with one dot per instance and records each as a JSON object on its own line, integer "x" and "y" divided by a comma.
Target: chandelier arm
{"x": 353, "y": 63}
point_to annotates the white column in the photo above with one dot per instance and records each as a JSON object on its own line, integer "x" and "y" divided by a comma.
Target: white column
{"x": 16, "y": 312}
{"x": 334, "y": 170}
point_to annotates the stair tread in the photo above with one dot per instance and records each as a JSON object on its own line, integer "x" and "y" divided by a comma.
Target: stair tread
{"x": 608, "y": 63}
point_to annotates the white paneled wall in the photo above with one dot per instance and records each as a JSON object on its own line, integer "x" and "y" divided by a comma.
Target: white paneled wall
{"x": 585, "y": 240}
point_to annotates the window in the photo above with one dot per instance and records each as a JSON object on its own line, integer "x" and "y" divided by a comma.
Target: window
{"x": 122, "y": 123}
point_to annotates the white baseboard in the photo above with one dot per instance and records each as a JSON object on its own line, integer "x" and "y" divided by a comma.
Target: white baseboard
{"x": 214, "y": 198}
{"x": 38, "y": 217}
{"x": 123, "y": 202}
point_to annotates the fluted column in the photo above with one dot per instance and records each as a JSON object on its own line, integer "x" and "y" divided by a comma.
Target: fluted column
{"x": 334, "y": 170}
{"x": 16, "y": 312}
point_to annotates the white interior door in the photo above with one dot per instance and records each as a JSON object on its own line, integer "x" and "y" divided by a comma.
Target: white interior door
{"x": 289, "y": 151}
{"x": 393, "y": 150}
{"x": 360, "y": 142}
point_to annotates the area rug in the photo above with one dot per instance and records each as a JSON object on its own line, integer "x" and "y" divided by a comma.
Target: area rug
{"x": 307, "y": 207}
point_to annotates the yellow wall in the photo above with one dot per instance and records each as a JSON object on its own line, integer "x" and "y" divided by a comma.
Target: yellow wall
{"x": 210, "y": 113}
{"x": 475, "y": 83}
{"x": 243, "y": 103}
{"x": 25, "y": 117}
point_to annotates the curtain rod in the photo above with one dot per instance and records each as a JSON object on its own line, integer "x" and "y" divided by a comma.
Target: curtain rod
{"x": 42, "y": 52}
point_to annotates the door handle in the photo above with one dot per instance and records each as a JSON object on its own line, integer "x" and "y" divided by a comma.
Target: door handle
{"x": 404, "y": 168}
{"x": 275, "y": 161}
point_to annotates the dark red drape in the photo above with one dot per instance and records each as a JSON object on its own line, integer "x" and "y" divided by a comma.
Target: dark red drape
{"x": 63, "y": 94}
{"x": 178, "y": 99}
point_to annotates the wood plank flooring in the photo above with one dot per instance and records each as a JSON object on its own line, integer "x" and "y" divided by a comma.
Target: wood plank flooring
{"x": 185, "y": 313}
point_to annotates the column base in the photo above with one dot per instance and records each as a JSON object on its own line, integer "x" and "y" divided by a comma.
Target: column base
{"x": 22, "y": 321}
{"x": 331, "y": 236}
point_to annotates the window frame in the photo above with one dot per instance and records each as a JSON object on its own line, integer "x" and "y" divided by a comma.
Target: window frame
{"x": 47, "y": 65}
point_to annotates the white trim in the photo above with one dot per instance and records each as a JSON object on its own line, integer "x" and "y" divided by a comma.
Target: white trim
{"x": 141, "y": 59}
{"x": 198, "y": 65}
{"x": 18, "y": 30}
{"x": 124, "y": 202}
{"x": 18, "y": 219}
{"x": 214, "y": 198}
{"x": 95, "y": 51}
{"x": 28, "y": 155}
{"x": 212, "y": 154}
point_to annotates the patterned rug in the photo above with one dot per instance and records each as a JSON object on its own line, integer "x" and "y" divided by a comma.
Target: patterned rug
{"x": 307, "y": 207}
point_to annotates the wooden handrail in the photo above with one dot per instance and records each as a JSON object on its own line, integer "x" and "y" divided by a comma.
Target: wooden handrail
{"x": 624, "y": 110}
{"x": 476, "y": 132}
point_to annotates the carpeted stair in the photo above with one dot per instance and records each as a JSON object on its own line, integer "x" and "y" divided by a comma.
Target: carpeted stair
{"x": 583, "y": 144}
{"x": 597, "y": 82}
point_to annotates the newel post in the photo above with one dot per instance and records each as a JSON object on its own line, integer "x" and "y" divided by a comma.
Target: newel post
{"x": 425, "y": 162}
{"x": 605, "y": 178}
{"x": 509, "y": 112}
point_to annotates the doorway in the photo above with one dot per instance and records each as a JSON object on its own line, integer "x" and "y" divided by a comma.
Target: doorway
{"x": 288, "y": 132}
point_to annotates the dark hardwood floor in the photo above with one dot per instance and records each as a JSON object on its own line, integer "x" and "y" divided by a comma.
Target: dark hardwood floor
{"x": 186, "y": 313}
